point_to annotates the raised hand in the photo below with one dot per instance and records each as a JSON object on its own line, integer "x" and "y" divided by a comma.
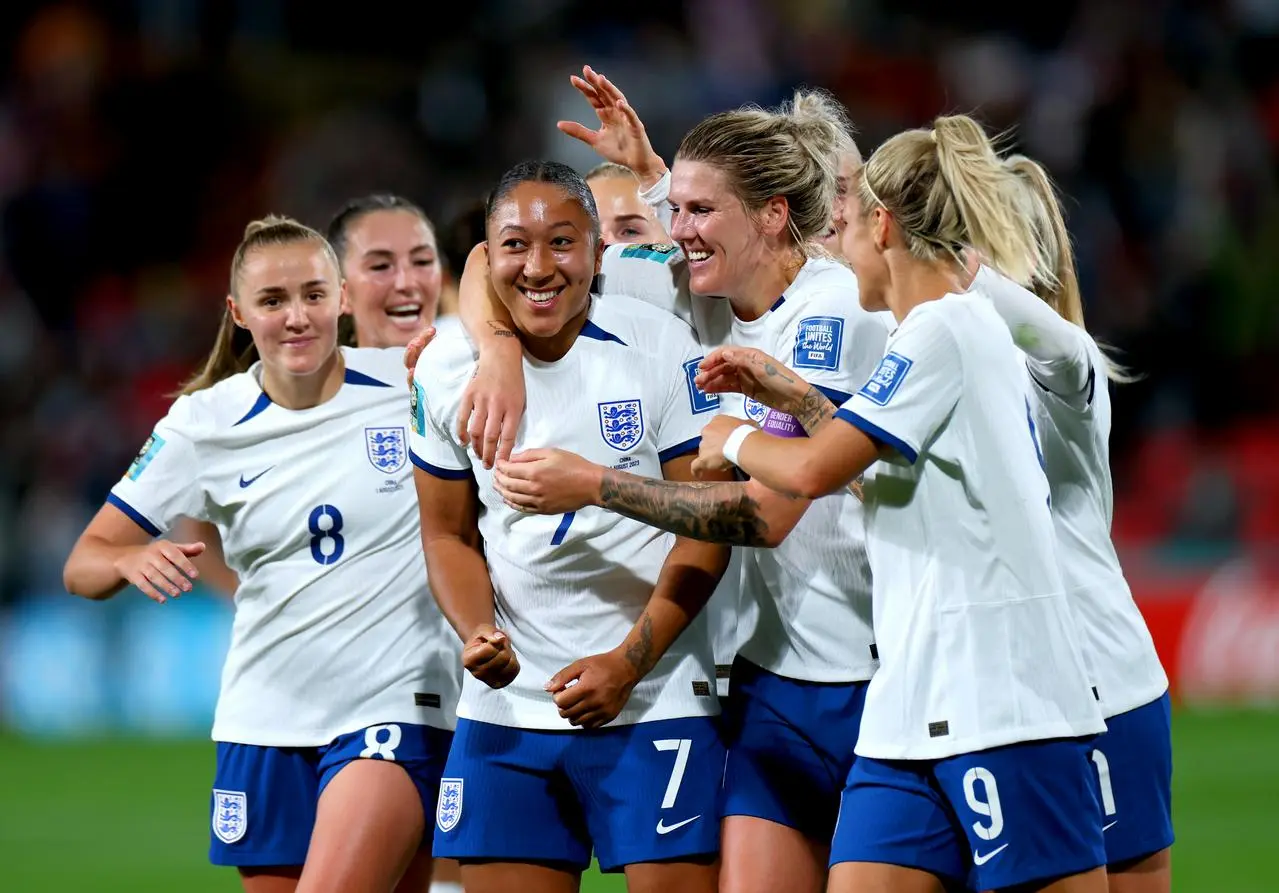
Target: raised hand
{"x": 621, "y": 137}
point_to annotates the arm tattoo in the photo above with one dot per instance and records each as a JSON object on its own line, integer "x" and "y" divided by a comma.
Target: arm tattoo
{"x": 814, "y": 410}
{"x": 714, "y": 512}
{"x": 640, "y": 654}
{"x": 500, "y": 329}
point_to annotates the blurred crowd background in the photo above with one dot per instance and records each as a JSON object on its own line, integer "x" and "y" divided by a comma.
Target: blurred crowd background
{"x": 137, "y": 139}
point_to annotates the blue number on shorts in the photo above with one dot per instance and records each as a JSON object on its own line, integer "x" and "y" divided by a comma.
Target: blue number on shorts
{"x": 333, "y": 533}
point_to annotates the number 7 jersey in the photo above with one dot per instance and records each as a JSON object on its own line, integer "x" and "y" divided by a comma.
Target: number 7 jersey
{"x": 335, "y": 628}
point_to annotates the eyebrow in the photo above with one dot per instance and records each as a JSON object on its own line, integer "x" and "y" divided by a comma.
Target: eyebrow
{"x": 622, "y": 218}
{"x": 275, "y": 289}
{"x": 386, "y": 252}
{"x": 515, "y": 227}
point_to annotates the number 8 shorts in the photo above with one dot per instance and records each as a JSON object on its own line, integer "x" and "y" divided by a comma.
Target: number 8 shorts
{"x": 264, "y": 798}
{"x": 637, "y": 793}
{"x": 988, "y": 820}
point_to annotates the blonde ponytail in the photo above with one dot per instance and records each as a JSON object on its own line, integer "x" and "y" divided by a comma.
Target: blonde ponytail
{"x": 947, "y": 190}
{"x": 1041, "y": 208}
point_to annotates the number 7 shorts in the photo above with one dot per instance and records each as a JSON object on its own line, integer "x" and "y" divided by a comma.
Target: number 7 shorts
{"x": 637, "y": 793}
{"x": 264, "y": 798}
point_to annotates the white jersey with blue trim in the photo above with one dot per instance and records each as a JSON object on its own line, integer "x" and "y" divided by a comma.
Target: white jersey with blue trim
{"x": 1075, "y": 435}
{"x": 811, "y": 594}
{"x": 569, "y": 586}
{"x": 658, "y": 276}
{"x": 977, "y": 641}
{"x": 335, "y": 628}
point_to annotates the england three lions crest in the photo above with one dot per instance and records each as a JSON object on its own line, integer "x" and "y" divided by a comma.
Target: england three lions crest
{"x": 230, "y": 815}
{"x": 622, "y": 424}
{"x": 386, "y": 448}
{"x": 448, "y": 810}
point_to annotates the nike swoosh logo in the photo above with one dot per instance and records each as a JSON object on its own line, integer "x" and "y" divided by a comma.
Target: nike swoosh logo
{"x": 979, "y": 859}
{"x": 1106, "y": 828}
{"x": 667, "y": 829}
{"x": 244, "y": 483}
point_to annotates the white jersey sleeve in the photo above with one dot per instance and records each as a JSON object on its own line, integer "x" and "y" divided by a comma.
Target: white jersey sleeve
{"x": 687, "y": 409}
{"x": 654, "y": 274}
{"x": 656, "y": 197}
{"x": 1056, "y": 349}
{"x": 432, "y": 448}
{"x": 912, "y": 390}
{"x": 157, "y": 489}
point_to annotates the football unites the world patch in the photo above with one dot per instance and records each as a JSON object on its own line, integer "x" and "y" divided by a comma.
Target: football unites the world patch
{"x": 153, "y": 445}
{"x": 622, "y": 424}
{"x": 700, "y": 401}
{"x": 886, "y": 378}
{"x": 818, "y": 342}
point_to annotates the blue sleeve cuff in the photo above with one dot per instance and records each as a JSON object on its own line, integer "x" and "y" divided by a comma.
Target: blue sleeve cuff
{"x": 134, "y": 515}
{"x": 839, "y": 398}
{"x": 447, "y": 474}
{"x": 871, "y": 429}
{"x": 680, "y": 449}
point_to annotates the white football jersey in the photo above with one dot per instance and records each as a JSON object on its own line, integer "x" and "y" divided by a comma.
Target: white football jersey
{"x": 658, "y": 276}
{"x": 811, "y": 594}
{"x": 977, "y": 644}
{"x": 566, "y": 587}
{"x": 335, "y": 628}
{"x": 1075, "y": 435}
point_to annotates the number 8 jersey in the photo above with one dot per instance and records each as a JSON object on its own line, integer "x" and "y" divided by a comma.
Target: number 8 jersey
{"x": 335, "y": 628}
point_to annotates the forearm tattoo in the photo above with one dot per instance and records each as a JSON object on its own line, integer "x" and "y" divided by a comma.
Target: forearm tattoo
{"x": 640, "y": 654}
{"x": 500, "y": 329}
{"x": 713, "y": 512}
{"x": 814, "y": 410}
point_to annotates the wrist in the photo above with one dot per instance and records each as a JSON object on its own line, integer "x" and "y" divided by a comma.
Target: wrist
{"x": 632, "y": 672}
{"x": 652, "y": 172}
{"x": 733, "y": 443}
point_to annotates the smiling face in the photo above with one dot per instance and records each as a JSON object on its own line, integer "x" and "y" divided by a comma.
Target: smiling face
{"x": 542, "y": 257}
{"x": 289, "y": 297}
{"x": 393, "y": 276}
{"x": 624, "y": 219}
{"x": 718, "y": 236}
{"x": 832, "y": 239}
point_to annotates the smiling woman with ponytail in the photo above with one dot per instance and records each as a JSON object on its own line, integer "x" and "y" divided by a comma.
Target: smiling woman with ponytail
{"x": 337, "y": 697}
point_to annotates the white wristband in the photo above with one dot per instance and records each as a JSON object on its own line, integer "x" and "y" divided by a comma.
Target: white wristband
{"x": 734, "y": 441}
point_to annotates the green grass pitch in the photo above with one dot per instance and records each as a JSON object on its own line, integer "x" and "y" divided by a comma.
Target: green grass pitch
{"x": 108, "y": 815}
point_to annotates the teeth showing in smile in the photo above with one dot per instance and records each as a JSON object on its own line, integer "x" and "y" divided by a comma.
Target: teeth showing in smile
{"x": 403, "y": 310}
{"x": 541, "y": 297}
{"x": 699, "y": 255}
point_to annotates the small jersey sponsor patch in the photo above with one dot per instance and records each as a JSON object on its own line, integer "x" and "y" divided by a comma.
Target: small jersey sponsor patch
{"x": 230, "y": 815}
{"x": 886, "y": 378}
{"x": 148, "y": 452}
{"x": 818, "y": 342}
{"x": 448, "y": 809}
{"x": 699, "y": 401}
{"x": 417, "y": 409}
{"x": 659, "y": 253}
